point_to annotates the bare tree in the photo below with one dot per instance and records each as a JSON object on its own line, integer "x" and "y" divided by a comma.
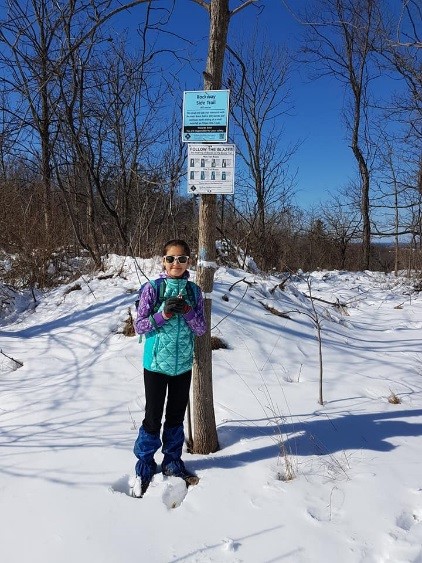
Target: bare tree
{"x": 343, "y": 224}
{"x": 32, "y": 37}
{"x": 258, "y": 76}
{"x": 29, "y": 36}
{"x": 342, "y": 38}
{"x": 109, "y": 129}
{"x": 205, "y": 439}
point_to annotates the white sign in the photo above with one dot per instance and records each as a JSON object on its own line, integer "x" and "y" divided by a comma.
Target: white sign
{"x": 211, "y": 168}
{"x": 205, "y": 116}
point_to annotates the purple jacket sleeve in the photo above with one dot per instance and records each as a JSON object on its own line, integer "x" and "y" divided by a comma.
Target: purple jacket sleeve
{"x": 145, "y": 321}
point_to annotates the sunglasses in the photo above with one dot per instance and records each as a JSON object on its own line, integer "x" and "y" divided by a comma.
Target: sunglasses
{"x": 179, "y": 259}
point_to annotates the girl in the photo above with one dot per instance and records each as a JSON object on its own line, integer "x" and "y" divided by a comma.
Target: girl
{"x": 170, "y": 328}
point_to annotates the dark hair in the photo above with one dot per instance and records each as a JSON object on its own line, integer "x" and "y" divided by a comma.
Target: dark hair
{"x": 177, "y": 242}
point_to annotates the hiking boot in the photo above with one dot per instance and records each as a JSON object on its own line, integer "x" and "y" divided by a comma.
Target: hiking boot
{"x": 178, "y": 469}
{"x": 139, "y": 488}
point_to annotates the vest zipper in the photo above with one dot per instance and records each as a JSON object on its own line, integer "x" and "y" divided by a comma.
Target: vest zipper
{"x": 178, "y": 333}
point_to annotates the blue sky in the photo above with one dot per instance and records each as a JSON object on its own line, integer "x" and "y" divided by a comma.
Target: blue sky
{"x": 324, "y": 162}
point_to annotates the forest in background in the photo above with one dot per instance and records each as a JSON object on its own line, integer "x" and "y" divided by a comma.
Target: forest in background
{"x": 91, "y": 158}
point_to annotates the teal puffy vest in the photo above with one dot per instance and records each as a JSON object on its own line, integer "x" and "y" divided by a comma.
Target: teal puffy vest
{"x": 169, "y": 349}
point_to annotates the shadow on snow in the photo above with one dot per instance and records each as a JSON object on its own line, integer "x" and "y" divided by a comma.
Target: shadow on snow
{"x": 319, "y": 436}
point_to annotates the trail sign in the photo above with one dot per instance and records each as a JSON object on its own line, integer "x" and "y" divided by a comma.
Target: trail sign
{"x": 205, "y": 116}
{"x": 211, "y": 168}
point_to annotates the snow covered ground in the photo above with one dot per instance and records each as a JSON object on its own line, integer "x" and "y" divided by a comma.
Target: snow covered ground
{"x": 70, "y": 414}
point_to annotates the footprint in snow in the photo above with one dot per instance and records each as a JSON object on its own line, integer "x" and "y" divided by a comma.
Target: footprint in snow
{"x": 406, "y": 539}
{"x": 175, "y": 493}
{"x": 408, "y": 519}
{"x": 122, "y": 485}
{"x": 230, "y": 545}
{"x": 318, "y": 514}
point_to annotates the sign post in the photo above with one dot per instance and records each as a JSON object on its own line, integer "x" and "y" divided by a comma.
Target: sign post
{"x": 210, "y": 172}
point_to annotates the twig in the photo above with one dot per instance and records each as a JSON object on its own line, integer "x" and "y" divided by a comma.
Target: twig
{"x": 93, "y": 294}
{"x": 234, "y": 308}
{"x": 238, "y": 281}
{"x": 134, "y": 425}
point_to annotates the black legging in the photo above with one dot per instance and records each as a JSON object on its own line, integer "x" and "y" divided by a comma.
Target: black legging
{"x": 156, "y": 386}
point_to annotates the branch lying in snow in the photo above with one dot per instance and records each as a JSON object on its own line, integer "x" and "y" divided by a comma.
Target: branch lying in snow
{"x": 17, "y": 362}
{"x": 274, "y": 311}
{"x": 281, "y": 285}
{"x": 285, "y": 314}
{"x": 342, "y": 306}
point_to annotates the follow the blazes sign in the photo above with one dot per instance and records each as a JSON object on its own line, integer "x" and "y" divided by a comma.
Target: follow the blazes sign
{"x": 205, "y": 116}
{"x": 211, "y": 168}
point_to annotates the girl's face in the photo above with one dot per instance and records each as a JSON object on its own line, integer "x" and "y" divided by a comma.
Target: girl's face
{"x": 175, "y": 269}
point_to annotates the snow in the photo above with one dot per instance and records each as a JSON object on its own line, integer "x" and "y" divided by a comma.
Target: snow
{"x": 70, "y": 414}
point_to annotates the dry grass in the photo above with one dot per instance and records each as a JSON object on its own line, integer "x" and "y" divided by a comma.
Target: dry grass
{"x": 128, "y": 328}
{"x": 217, "y": 343}
{"x": 394, "y": 399}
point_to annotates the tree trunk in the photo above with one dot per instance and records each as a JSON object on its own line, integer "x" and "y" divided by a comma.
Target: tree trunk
{"x": 205, "y": 431}
{"x": 365, "y": 202}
